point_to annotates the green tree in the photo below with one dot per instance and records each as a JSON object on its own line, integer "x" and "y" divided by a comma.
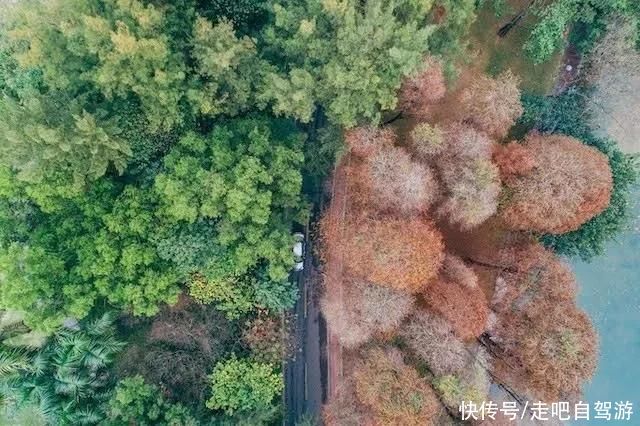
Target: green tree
{"x": 30, "y": 278}
{"x": 246, "y": 15}
{"x": 120, "y": 257}
{"x": 245, "y": 176}
{"x": 55, "y": 146}
{"x": 228, "y": 69}
{"x": 237, "y": 296}
{"x": 89, "y": 85}
{"x": 139, "y": 403}
{"x": 112, "y": 48}
{"x": 587, "y": 17}
{"x": 231, "y": 295}
{"x": 567, "y": 114}
{"x": 97, "y": 245}
{"x": 454, "y": 18}
{"x": 347, "y": 56}
{"x": 222, "y": 207}
{"x": 239, "y": 385}
{"x": 70, "y": 70}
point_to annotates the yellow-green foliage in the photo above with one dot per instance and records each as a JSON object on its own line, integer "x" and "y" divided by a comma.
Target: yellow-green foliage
{"x": 453, "y": 390}
{"x": 230, "y": 294}
{"x": 427, "y": 140}
{"x": 239, "y": 385}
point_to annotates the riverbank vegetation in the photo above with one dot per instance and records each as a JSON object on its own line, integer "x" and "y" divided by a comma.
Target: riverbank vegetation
{"x": 505, "y": 182}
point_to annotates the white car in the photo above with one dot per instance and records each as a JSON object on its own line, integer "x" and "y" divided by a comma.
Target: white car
{"x": 298, "y": 251}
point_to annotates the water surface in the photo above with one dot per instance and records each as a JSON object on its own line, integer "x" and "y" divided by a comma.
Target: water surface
{"x": 610, "y": 292}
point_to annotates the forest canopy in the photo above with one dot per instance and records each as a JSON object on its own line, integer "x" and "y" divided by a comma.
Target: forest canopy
{"x": 174, "y": 173}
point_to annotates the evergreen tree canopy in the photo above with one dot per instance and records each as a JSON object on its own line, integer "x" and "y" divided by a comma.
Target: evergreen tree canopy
{"x": 587, "y": 17}
{"x": 348, "y": 56}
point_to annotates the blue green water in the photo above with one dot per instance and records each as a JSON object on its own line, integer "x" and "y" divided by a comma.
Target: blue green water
{"x": 610, "y": 293}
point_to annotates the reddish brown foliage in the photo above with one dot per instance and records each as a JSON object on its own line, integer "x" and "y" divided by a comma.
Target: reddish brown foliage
{"x": 543, "y": 346}
{"x": 430, "y": 337}
{"x": 267, "y": 340}
{"x": 474, "y": 198}
{"x": 178, "y": 349}
{"x": 492, "y": 105}
{"x": 389, "y": 181}
{"x": 464, "y": 143}
{"x": 548, "y": 345}
{"x": 513, "y": 159}
{"x": 363, "y": 310}
{"x": 571, "y": 183}
{"x": 464, "y": 308}
{"x": 454, "y": 269}
{"x": 402, "y": 254}
{"x": 537, "y": 281}
{"x": 393, "y": 391}
{"x": 419, "y": 93}
{"x": 367, "y": 140}
{"x": 549, "y": 356}
{"x": 345, "y": 409}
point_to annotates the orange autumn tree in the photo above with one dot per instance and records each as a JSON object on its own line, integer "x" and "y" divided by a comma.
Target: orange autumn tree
{"x": 548, "y": 347}
{"x": 570, "y": 184}
{"x": 344, "y": 409}
{"x": 383, "y": 177}
{"x": 547, "y": 357}
{"x": 513, "y": 159}
{"x": 394, "y": 391}
{"x": 530, "y": 335}
{"x": 463, "y": 308}
{"x": 534, "y": 277}
{"x": 403, "y": 254}
{"x": 363, "y": 310}
{"x": 456, "y": 270}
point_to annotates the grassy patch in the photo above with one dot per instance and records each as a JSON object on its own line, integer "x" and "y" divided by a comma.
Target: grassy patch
{"x": 496, "y": 54}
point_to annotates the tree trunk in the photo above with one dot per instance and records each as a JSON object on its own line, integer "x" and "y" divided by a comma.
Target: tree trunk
{"x": 504, "y": 30}
{"x": 392, "y": 119}
{"x": 491, "y": 265}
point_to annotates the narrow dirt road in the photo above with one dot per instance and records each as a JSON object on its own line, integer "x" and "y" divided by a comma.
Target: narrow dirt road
{"x": 334, "y": 270}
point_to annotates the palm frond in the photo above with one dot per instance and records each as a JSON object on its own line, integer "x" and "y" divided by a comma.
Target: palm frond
{"x": 103, "y": 395}
{"x": 72, "y": 385}
{"x": 102, "y": 325}
{"x": 13, "y": 361}
{"x": 32, "y": 389}
{"x": 31, "y": 340}
{"x": 100, "y": 353}
{"x": 96, "y": 357}
{"x": 66, "y": 377}
{"x": 39, "y": 363}
{"x": 48, "y": 406}
{"x": 86, "y": 416}
{"x": 68, "y": 351}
